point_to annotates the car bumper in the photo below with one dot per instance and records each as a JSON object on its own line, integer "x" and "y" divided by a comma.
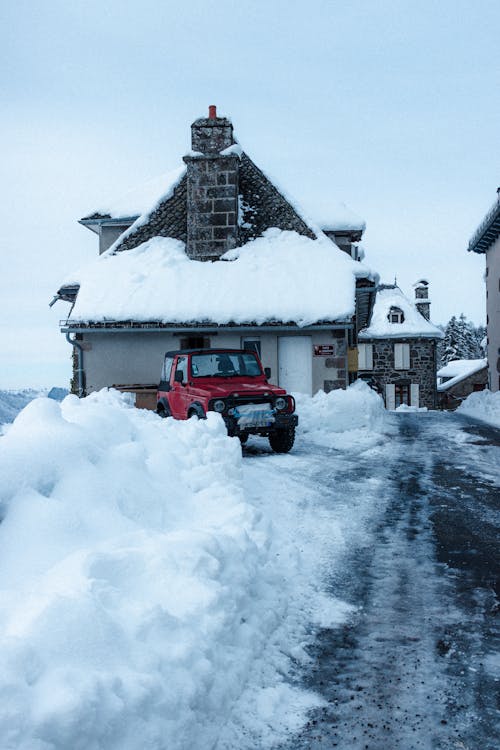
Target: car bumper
{"x": 281, "y": 422}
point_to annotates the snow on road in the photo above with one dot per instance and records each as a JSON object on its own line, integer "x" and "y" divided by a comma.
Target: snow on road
{"x": 416, "y": 667}
{"x": 160, "y": 590}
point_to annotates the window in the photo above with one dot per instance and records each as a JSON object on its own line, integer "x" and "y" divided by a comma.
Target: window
{"x": 195, "y": 342}
{"x": 224, "y": 364}
{"x": 395, "y": 315}
{"x": 402, "y": 356}
{"x": 365, "y": 356}
{"x": 252, "y": 345}
{"x": 402, "y": 395}
{"x": 165, "y": 370}
{"x": 182, "y": 367}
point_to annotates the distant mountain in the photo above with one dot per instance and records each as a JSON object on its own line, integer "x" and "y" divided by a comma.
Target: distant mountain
{"x": 12, "y": 402}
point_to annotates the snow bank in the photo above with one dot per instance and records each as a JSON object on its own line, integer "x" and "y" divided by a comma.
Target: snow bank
{"x": 281, "y": 276}
{"x": 139, "y": 588}
{"x": 483, "y": 405}
{"x": 356, "y": 416}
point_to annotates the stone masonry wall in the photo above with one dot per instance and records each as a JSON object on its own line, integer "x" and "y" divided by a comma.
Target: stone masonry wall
{"x": 212, "y": 205}
{"x": 422, "y": 367}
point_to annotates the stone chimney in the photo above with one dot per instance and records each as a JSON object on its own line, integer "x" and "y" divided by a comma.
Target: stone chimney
{"x": 212, "y": 188}
{"x": 422, "y": 301}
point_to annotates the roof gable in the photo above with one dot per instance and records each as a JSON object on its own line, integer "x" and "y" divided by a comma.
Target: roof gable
{"x": 414, "y": 325}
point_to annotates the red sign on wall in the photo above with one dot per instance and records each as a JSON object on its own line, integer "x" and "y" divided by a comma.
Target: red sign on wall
{"x": 323, "y": 351}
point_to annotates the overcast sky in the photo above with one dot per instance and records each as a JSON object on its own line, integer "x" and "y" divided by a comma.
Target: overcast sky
{"x": 391, "y": 106}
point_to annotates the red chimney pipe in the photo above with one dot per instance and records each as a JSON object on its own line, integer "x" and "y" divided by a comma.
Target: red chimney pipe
{"x": 212, "y": 112}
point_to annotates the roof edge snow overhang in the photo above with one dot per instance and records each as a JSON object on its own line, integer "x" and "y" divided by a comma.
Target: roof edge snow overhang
{"x": 400, "y": 337}
{"x": 155, "y": 327}
{"x": 95, "y": 223}
{"x": 487, "y": 232}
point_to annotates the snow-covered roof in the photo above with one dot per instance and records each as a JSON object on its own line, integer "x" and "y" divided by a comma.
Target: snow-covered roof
{"x": 280, "y": 277}
{"x": 413, "y": 325}
{"x": 331, "y": 213}
{"x": 459, "y": 369}
{"x": 142, "y": 199}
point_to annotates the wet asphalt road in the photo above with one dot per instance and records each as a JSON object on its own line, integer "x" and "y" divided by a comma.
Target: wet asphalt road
{"x": 419, "y": 665}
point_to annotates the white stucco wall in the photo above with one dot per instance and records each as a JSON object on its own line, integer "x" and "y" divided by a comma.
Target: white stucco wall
{"x": 136, "y": 357}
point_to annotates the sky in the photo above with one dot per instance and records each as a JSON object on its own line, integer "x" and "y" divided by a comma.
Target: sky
{"x": 390, "y": 106}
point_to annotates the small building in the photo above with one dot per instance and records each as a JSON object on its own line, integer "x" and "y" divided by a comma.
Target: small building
{"x": 215, "y": 255}
{"x": 459, "y": 378}
{"x": 486, "y": 240}
{"x": 397, "y": 350}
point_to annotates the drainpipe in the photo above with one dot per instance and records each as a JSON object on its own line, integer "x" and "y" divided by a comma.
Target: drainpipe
{"x": 79, "y": 369}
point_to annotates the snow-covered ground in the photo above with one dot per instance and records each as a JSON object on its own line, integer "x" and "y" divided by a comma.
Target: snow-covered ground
{"x": 159, "y": 589}
{"x": 483, "y": 405}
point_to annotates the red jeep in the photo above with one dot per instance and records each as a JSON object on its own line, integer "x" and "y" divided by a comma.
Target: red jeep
{"x": 232, "y": 383}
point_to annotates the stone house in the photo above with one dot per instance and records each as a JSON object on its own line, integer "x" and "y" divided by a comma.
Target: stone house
{"x": 459, "y": 378}
{"x": 397, "y": 350}
{"x": 486, "y": 240}
{"x": 219, "y": 258}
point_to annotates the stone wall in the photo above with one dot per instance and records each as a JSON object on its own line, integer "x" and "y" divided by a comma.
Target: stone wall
{"x": 422, "y": 368}
{"x": 452, "y": 397}
{"x": 212, "y": 205}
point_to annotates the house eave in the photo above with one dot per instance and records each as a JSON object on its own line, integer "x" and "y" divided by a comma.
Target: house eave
{"x": 487, "y": 232}
{"x": 95, "y": 223}
{"x": 128, "y": 326}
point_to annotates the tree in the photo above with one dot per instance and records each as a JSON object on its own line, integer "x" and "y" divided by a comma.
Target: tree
{"x": 462, "y": 340}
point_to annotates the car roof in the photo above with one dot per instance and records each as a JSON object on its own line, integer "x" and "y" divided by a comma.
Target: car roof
{"x": 207, "y": 351}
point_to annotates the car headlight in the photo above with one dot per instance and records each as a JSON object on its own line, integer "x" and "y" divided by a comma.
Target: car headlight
{"x": 280, "y": 403}
{"x": 219, "y": 405}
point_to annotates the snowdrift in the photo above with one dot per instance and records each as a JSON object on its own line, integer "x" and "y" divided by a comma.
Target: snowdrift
{"x": 137, "y": 590}
{"x": 355, "y": 417}
{"x": 483, "y": 405}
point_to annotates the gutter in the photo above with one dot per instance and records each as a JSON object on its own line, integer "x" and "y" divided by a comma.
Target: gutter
{"x": 79, "y": 370}
{"x": 67, "y": 328}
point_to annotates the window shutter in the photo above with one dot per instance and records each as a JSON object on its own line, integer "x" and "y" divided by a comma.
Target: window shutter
{"x": 390, "y": 396}
{"x": 369, "y": 356}
{"x": 361, "y": 356}
{"x": 398, "y": 356}
{"x": 415, "y": 395}
{"x": 406, "y": 356}
{"x": 365, "y": 356}
{"x": 402, "y": 356}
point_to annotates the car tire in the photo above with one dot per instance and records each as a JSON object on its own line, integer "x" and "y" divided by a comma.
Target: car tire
{"x": 197, "y": 413}
{"x": 163, "y": 411}
{"x": 282, "y": 441}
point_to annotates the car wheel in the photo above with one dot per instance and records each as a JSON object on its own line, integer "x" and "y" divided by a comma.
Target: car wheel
{"x": 282, "y": 441}
{"x": 163, "y": 411}
{"x": 196, "y": 413}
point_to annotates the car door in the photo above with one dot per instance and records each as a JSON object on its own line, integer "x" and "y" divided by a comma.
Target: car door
{"x": 178, "y": 397}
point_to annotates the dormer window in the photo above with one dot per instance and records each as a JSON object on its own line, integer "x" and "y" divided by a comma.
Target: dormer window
{"x": 395, "y": 315}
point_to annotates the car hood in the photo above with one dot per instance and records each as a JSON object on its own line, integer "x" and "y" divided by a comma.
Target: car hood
{"x": 244, "y": 388}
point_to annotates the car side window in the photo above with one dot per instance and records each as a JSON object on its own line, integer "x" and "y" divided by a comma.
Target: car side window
{"x": 182, "y": 367}
{"x": 166, "y": 369}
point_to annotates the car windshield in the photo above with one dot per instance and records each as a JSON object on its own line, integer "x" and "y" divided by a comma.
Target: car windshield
{"x": 224, "y": 365}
